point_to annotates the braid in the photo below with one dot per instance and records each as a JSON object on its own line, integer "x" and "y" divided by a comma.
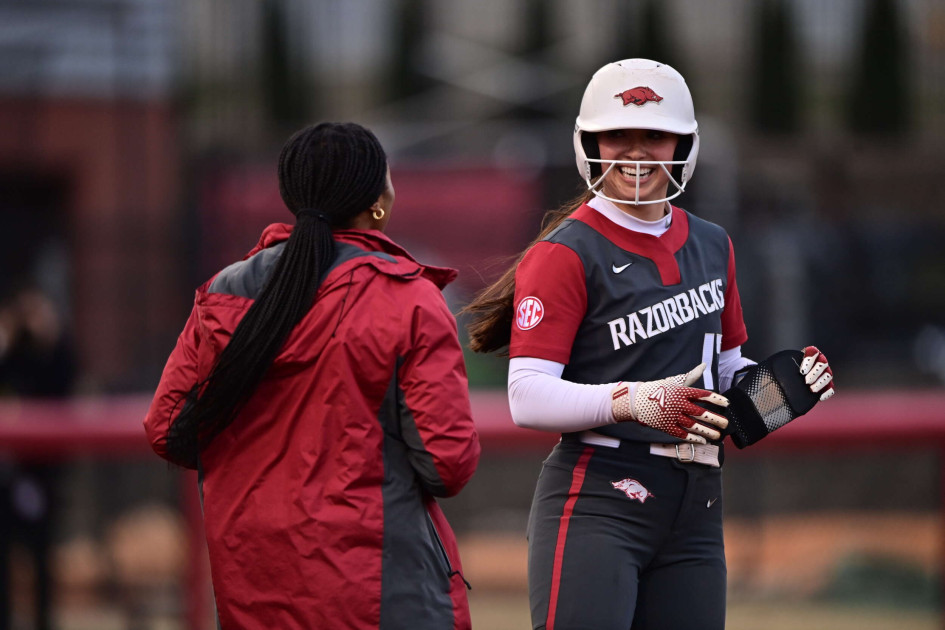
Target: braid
{"x": 333, "y": 172}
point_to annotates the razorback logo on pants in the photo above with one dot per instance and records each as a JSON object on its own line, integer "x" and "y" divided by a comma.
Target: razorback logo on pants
{"x": 633, "y": 489}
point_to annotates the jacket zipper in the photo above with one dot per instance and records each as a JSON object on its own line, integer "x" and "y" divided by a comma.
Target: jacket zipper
{"x": 446, "y": 558}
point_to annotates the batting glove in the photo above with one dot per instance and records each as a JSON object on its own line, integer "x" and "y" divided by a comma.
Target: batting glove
{"x": 817, "y": 372}
{"x": 667, "y": 405}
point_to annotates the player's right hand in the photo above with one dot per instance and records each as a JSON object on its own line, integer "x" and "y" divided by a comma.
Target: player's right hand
{"x": 667, "y": 405}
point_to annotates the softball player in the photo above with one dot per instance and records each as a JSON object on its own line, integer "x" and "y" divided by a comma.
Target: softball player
{"x": 620, "y": 316}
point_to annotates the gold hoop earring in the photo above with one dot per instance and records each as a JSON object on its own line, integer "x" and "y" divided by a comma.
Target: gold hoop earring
{"x": 378, "y": 214}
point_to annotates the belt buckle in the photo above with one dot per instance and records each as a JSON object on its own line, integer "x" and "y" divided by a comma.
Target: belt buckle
{"x": 692, "y": 451}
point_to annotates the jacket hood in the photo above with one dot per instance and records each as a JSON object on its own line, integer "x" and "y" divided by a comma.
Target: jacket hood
{"x": 369, "y": 240}
{"x": 222, "y": 304}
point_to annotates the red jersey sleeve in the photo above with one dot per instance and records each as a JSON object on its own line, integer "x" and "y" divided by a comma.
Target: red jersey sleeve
{"x": 734, "y": 332}
{"x": 550, "y": 303}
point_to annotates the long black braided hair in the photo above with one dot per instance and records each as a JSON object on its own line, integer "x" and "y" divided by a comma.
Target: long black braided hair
{"x": 328, "y": 174}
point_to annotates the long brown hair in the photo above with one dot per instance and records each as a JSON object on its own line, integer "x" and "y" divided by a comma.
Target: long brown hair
{"x": 492, "y": 310}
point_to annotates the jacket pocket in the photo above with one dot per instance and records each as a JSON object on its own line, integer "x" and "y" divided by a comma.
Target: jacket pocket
{"x": 444, "y": 556}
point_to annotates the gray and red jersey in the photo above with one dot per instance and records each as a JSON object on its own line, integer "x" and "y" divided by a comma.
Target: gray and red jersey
{"x": 613, "y": 304}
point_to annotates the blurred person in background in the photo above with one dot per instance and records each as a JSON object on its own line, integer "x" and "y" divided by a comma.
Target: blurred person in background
{"x": 619, "y": 318}
{"x": 37, "y": 360}
{"x": 319, "y": 389}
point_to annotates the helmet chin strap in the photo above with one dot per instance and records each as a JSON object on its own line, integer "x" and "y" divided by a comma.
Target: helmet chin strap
{"x": 596, "y": 187}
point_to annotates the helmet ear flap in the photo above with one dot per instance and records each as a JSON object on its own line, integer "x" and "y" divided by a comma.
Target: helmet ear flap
{"x": 592, "y": 151}
{"x": 681, "y": 154}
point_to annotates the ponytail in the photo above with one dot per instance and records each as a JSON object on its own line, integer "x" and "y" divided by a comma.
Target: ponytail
{"x": 328, "y": 174}
{"x": 492, "y": 310}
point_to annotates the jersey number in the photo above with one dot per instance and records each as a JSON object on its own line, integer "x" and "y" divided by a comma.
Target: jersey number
{"x": 711, "y": 347}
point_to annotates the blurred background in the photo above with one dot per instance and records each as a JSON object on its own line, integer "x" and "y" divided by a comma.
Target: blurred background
{"x": 138, "y": 146}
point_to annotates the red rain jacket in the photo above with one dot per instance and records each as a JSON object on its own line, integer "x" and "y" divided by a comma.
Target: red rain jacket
{"x": 318, "y": 499}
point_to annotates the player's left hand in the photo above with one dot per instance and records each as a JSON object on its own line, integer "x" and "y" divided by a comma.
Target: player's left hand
{"x": 817, "y": 372}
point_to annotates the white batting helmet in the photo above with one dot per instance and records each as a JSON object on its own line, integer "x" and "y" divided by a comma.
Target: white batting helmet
{"x": 636, "y": 94}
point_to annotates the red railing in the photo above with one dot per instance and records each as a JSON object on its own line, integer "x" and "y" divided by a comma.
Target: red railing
{"x": 111, "y": 427}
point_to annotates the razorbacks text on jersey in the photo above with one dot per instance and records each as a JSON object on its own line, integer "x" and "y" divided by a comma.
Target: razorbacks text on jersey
{"x": 617, "y": 305}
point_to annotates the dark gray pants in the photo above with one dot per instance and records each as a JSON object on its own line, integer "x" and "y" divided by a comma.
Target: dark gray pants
{"x": 606, "y": 555}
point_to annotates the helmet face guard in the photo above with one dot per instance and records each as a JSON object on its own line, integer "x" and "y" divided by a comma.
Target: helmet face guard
{"x": 667, "y": 167}
{"x": 636, "y": 94}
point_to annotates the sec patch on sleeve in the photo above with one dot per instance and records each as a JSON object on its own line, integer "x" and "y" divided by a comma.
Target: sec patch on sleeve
{"x": 529, "y": 312}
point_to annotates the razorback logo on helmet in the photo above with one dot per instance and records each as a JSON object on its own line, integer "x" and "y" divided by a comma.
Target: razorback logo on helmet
{"x": 633, "y": 489}
{"x": 529, "y": 312}
{"x": 639, "y": 96}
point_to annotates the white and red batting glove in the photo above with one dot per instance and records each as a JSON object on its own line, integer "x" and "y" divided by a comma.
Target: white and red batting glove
{"x": 667, "y": 405}
{"x": 817, "y": 372}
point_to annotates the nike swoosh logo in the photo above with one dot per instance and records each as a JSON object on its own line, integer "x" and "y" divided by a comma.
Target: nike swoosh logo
{"x": 709, "y": 503}
{"x": 621, "y": 268}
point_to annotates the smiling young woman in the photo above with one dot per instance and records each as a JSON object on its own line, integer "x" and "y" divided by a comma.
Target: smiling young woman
{"x": 619, "y": 317}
